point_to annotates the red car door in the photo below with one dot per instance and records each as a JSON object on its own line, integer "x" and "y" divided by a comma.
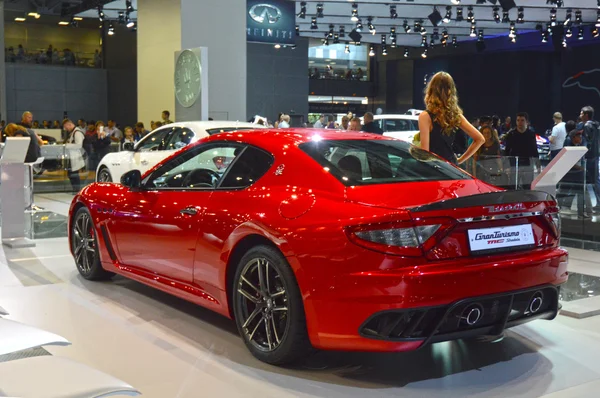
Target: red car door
{"x": 156, "y": 229}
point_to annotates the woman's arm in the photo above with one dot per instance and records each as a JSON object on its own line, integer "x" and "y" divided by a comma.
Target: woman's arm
{"x": 425, "y": 129}
{"x": 472, "y": 132}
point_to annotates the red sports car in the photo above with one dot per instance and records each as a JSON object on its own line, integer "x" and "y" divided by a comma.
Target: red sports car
{"x": 328, "y": 240}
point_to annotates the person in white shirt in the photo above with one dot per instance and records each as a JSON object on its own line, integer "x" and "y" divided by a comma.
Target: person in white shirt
{"x": 75, "y": 151}
{"x": 319, "y": 124}
{"x": 113, "y": 132}
{"x": 559, "y": 135}
{"x": 285, "y": 122}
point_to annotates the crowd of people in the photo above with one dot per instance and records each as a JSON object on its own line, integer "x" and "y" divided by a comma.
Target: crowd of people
{"x": 52, "y": 56}
{"x": 86, "y": 142}
{"x": 343, "y": 73}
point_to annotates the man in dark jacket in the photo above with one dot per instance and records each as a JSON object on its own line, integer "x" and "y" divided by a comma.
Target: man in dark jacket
{"x": 591, "y": 132}
{"x": 34, "y": 151}
{"x": 521, "y": 143}
{"x": 370, "y": 126}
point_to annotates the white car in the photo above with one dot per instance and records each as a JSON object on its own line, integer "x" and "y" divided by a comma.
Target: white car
{"x": 160, "y": 144}
{"x": 402, "y": 127}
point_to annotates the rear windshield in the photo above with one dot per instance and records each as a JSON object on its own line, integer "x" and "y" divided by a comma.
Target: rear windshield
{"x": 364, "y": 162}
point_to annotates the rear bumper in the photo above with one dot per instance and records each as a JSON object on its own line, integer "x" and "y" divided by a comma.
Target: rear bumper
{"x": 337, "y": 318}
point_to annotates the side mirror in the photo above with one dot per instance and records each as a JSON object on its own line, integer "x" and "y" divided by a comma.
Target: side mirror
{"x": 128, "y": 146}
{"x": 132, "y": 179}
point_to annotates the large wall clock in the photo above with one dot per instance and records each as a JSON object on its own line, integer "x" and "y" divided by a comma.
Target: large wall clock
{"x": 188, "y": 82}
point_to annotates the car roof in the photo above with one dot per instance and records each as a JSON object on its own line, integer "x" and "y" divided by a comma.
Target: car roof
{"x": 214, "y": 124}
{"x": 396, "y": 116}
{"x": 276, "y": 138}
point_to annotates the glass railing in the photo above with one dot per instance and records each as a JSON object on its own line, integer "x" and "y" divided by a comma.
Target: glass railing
{"x": 54, "y": 174}
{"x": 56, "y": 58}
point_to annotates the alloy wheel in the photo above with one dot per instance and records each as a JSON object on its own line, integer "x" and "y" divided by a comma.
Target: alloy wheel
{"x": 84, "y": 243}
{"x": 104, "y": 176}
{"x": 263, "y": 300}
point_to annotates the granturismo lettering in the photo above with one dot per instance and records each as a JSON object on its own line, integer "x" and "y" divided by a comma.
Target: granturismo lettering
{"x": 496, "y": 235}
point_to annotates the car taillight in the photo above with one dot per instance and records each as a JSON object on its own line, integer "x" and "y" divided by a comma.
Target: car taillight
{"x": 553, "y": 218}
{"x": 410, "y": 239}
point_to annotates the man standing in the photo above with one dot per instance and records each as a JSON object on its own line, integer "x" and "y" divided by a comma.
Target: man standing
{"x": 591, "y": 132}
{"x": 140, "y": 130}
{"x": 506, "y": 126}
{"x": 166, "y": 117}
{"x": 113, "y": 132}
{"x": 75, "y": 151}
{"x": 559, "y": 135}
{"x": 521, "y": 144}
{"x": 34, "y": 151}
{"x": 370, "y": 126}
{"x": 320, "y": 123}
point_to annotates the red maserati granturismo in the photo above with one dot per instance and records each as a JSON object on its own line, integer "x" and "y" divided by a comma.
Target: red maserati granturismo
{"x": 327, "y": 239}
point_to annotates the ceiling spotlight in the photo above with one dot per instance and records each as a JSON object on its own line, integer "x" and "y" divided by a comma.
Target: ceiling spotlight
{"x": 277, "y": 46}
{"x": 424, "y": 53}
{"x": 432, "y": 43}
{"x": 313, "y": 23}
{"x": 393, "y": 12}
{"x": 569, "y": 32}
{"x": 513, "y": 39}
{"x": 578, "y": 19}
{"x": 130, "y": 23}
{"x": 448, "y": 16}
{"x": 23, "y": 19}
{"x": 331, "y": 29}
{"x": 101, "y": 13}
{"x": 424, "y": 41}
{"x": 297, "y": 30}
{"x": 512, "y": 31}
{"x": 383, "y": 39}
{"x": 359, "y": 26}
{"x": 302, "y": 13}
{"x": 111, "y": 30}
{"x": 496, "y": 14}
{"x": 455, "y": 2}
{"x": 569, "y": 17}
{"x": 505, "y": 17}
{"x": 34, "y": 14}
{"x": 417, "y": 27}
{"x": 580, "y": 34}
{"x": 473, "y": 32}
{"x": 121, "y": 17}
{"x": 553, "y": 17}
{"x": 521, "y": 15}
{"x": 406, "y": 26}
{"x": 347, "y": 50}
{"x": 371, "y": 26}
{"x": 336, "y": 39}
{"x": 598, "y": 19}
{"x": 454, "y": 42}
{"x": 371, "y": 51}
{"x": 470, "y": 15}
{"x": 406, "y": 52}
{"x": 459, "y": 14}
{"x": 342, "y": 32}
{"x": 384, "y": 50}
{"x": 354, "y": 16}
{"x": 129, "y": 6}
{"x": 564, "y": 42}
{"x": 595, "y": 32}
{"x": 326, "y": 40}
{"x": 320, "y": 10}
{"x": 480, "y": 35}
{"x": 73, "y": 22}
{"x": 436, "y": 34}
{"x": 544, "y": 37}
{"x": 394, "y": 42}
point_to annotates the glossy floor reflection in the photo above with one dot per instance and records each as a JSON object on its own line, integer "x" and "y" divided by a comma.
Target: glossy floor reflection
{"x": 167, "y": 347}
{"x": 580, "y": 287}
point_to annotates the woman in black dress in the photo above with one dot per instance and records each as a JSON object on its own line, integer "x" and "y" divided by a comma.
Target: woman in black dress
{"x": 439, "y": 123}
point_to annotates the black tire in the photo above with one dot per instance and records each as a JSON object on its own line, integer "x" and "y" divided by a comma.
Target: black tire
{"x": 84, "y": 244}
{"x": 104, "y": 175}
{"x": 281, "y": 292}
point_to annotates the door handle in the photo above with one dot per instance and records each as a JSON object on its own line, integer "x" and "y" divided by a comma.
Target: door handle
{"x": 144, "y": 162}
{"x": 190, "y": 211}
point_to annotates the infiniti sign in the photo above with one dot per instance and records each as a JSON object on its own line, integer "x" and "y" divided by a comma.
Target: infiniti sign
{"x": 271, "y": 21}
{"x": 262, "y": 13}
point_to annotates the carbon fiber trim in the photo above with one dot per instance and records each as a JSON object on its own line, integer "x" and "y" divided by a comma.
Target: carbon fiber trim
{"x": 486, "y": 199}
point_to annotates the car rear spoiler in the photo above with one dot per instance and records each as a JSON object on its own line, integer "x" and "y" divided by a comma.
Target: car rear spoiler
{"x": 486, "y": 199}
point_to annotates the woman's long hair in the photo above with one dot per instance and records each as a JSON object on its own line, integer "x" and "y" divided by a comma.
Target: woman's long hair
{"x": 12, "y": 129}
{"x": 441, "y": 99}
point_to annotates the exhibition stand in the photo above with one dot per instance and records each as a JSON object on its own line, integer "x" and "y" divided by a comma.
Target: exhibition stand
{"x": 549, "y": 178}
{"x": 12, "y": 192}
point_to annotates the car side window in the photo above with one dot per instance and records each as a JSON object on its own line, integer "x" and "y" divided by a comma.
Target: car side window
{"x": 155, "y": 141}
{"x": 202, "y": 167}
{"x": 252, "y": 164}
{"x": 180, "y": 138}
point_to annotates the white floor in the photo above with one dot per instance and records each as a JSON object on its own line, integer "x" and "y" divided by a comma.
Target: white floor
{"x": 166, "y": 347}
